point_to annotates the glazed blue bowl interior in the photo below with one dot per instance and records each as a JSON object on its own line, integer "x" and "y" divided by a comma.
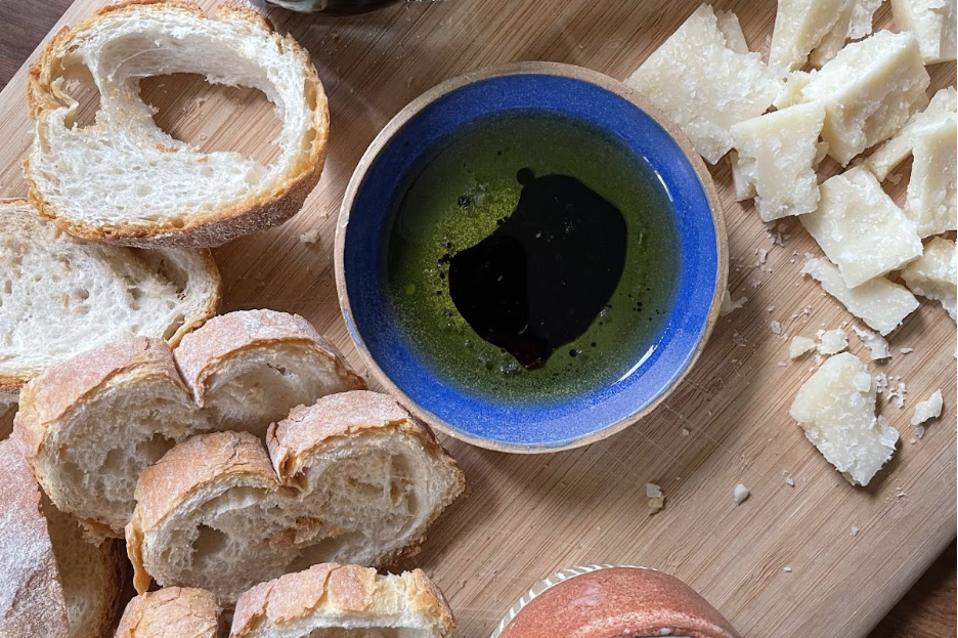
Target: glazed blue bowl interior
{"x": 477, "y": 416}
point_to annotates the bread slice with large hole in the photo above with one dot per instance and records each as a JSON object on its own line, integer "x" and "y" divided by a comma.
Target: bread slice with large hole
{"x": 352, "y": 478}
{"x": 171, "y": 612}
{"x": 60, "y": 296}
{"x": 123, "y": 179}
{"x": 92, "y": 424}
{"x": 53, "y": 583}
{"x": 338, "y": 601}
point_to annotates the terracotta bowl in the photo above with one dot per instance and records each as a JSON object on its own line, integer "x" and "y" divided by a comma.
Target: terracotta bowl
{"x": 613, "y": 602}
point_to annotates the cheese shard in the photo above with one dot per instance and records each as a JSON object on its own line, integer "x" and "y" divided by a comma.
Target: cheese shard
{"x": 800, "y": 26}
{"x": 832, "y": 341}
{"x": 699, "y": 80}
{"x": 894, "y": 151}
{"x": 876, "y": 344}
{"x": 928, "y": 409}
{"x": 860, "y": 228}
{"x": 869, "y": 90}
{"x": 932, "y": 22}
{"x": 836, "y": 409}
{"x": 853, "y": 22}
{"x": 775, "y": 157}
{"x": 931, "y": 198}
{"x": 800, "y": 346}
{"x": 935, "y": 275}
{"x": 730, "y": 27}
{"x": 881, "y": 304}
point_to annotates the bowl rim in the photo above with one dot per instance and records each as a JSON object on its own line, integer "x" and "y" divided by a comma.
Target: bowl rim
{"x": 411, "y": 110}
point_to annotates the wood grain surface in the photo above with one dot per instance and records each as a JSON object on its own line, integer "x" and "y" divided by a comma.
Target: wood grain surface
{"x": 523, "y": 518}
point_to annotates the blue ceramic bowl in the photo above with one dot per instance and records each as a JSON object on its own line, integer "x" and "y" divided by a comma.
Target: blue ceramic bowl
{"x": 363, "y": 233}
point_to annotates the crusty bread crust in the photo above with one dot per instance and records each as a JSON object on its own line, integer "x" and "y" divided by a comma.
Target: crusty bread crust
{"x": 32, "y": 600}
{"x": 228, "y": 335}
{"x": 172, "y": 612}
{"x": 329, "y": 588}
{"x": 210, "y": 460}
{"x": 49, "y": 399}
{"x": 189, "y": 468}
{"x": 13, "y": 383}
{"x": 273, "y": 205}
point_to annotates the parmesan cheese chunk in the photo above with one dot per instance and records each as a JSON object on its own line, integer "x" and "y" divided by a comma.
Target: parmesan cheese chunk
{"x": 932, "y": 22}
{"x": 894, "y": 151}
{"x": 930, "y": 200}
{"x": 869, "y": 90}
{"x": 800, "y": 346}
{"x": 701, "y": 79}
{"x": 876, "y": 344}
{"x": 832, "y": 341}
{"x": 881, "y": 304}
{"x": 934, "y": 275}
{"x": 860, "y": 228}
{"x": 800, "y": 26}
{"x": 928, "y": 409}
{"x": 775, "y": 155}
{"x": 836, "y": 409}
{"x": 854, "y": 21}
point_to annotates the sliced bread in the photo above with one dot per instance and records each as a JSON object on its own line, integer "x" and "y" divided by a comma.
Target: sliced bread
{"x": 172, "y": 612}
{"x": 52, "y": 582}
{"x": 329, "y": 600}
{"x": 352, "y": 478}
{"x": 123, "y": 179}
{"x": 90, "y": 426}
{"x": 60, "y": 296}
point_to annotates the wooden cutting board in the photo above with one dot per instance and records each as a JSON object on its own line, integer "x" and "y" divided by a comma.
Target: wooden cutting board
{"x": 783, "y": 563}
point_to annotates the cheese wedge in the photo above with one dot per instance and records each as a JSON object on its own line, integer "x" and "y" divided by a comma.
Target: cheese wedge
{"x": 894, "y": 151}
{"x": 800, "y": 26}
{"x": 836, "y": 409}
{"x": 935, "y": 275}
{"x": 860, "y": 228}
{"x": 705, "y": 83}
{"x": 932, "y": 22}
{"x": 869, "y": 90}
{"x": 881, "y": 304}
{"x": 930, "y": 201}
{"x": 775, "y": 158}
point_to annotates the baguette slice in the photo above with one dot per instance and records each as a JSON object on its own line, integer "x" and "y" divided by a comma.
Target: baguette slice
{"x": 60, "y": 296}
{"x": 91, "y": 425}
{"x": 173, "y": 612}
{"x": 123, "y": 179}
{"x": 52, "y": 582}
{"x": 352, "y": 478}
{"x": 329, "y": 600}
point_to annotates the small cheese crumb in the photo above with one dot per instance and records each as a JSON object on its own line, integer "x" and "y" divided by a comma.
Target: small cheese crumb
{"x": 906, "y": 350}
{"x": 800, "y": 346}
{"x": 685, "y": 431}
{"x": 789, "y": 481}
{"x": 775, "y": 327}
{"x": 729, "y": 306}
{"x": 310, "y": 236}
{"x": 740, "y": 494}
{"x": 854, "y": 531}
{"x": 876, "y": 344}
{"x": 928, "y": 409}
{"x": 832, "y": 341}
{"x": 787, "y": 569}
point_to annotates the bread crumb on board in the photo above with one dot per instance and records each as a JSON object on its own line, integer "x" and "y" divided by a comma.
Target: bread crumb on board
{"x": 655, "y": 496}
{"x": 740, "y": 494}
{"x": 310, "y": 236}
